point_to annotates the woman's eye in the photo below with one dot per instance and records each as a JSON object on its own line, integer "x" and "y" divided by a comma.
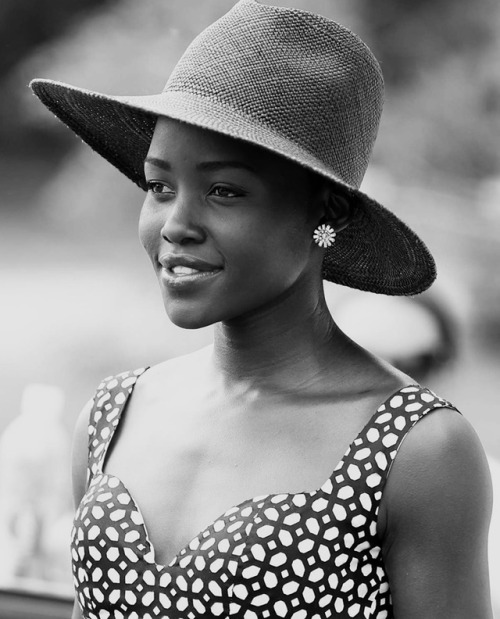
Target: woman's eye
{"x": 158, "y": 187}
{"x": 225, "y": 192}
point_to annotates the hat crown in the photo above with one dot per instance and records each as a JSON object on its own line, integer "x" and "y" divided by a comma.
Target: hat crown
{"x": 302, "y": 76}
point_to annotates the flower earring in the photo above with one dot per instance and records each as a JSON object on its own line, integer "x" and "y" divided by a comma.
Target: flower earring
{"x": 324, "y": 235}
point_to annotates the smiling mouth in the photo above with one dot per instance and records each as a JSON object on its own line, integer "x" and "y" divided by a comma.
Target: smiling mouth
{"x": 181, "y": 274}
{"x": 179, "y": 270}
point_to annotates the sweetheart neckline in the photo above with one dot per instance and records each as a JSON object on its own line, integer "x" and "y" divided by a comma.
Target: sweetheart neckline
{"x": 379, "y": 410}
{"x": 238, "y": 507}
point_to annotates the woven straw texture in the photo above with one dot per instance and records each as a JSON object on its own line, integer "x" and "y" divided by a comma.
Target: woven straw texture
{"x": 292, "y": 82}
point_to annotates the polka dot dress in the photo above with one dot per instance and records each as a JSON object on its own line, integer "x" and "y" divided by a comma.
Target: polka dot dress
{"x": 311, "y": 555}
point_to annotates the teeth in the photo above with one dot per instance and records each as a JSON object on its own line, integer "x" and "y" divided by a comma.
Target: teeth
{"x": 181, "y": 270}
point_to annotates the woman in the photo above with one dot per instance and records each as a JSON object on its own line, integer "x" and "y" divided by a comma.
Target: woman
{"x": 252, "y": 159}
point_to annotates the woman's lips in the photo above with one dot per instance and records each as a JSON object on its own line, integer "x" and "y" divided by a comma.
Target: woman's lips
{"x": 179, "y": 270}
{"x": 186, "y": 277}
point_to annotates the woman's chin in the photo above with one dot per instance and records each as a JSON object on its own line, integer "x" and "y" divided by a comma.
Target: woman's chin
{"x": 187, "y": 318}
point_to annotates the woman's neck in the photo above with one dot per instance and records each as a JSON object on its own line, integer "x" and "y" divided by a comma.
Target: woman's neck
{"x": 286, "y": 347}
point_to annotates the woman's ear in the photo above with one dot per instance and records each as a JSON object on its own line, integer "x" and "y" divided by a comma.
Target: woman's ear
{"x": 338, "y": 210}
{"x": 330, "y": 204}
{"x": 335, "y": 206}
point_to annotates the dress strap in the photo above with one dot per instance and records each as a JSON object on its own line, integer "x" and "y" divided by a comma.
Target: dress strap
{"x": 365, "y": 468}
{"x": 109, "y": 402}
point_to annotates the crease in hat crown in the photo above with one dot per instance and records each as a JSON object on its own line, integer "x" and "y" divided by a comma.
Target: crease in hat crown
{"x": 290, "y": 81}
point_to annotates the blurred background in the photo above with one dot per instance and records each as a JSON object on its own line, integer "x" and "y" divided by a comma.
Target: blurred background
{"x": 79, "y": 300}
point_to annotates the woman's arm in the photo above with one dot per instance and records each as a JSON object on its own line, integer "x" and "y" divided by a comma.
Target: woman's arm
{"x": 79, "y": 468}
{"x": 80, "y": 453}
{"x": 77, "y": 613}
{"x": 435, "y": 516}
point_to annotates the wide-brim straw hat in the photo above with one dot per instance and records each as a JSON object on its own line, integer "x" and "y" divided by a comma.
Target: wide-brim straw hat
{"x": 290, "y": 81}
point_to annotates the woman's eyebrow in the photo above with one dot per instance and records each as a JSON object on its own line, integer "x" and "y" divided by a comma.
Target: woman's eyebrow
{"x": 217, "y": 165}
{"x": 159, "y": 163}
{"x": 204, "y": 165}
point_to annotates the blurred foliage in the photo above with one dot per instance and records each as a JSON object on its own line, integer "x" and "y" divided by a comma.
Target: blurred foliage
{"x": 414, "y": 37}
{"x": 25, "y": 24}
{"x": 440, "y": 63}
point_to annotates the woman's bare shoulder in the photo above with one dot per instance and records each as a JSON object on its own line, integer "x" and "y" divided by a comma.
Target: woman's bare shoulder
{"x": 441, "y": 447}
{"x": 436, "y": 508}
{"x": 178, "y": 374}
{"x": 177, "y": 366}
{"x": 440, "y": 462}
{"x": 158, "y": 379}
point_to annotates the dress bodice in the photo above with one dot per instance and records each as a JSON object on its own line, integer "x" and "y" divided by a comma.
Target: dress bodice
{"x": 303, "y": 555}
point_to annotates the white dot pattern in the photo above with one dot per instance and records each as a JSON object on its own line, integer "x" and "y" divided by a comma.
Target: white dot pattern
{"x": 311, "y": 555}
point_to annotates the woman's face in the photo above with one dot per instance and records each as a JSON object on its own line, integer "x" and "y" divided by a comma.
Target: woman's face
{"x": 227, "y": 226}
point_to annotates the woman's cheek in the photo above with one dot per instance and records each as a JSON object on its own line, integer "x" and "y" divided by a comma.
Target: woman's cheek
{"x": 149, "y": 232}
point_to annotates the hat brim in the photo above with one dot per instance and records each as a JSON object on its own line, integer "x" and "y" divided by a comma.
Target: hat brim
{"x": 376, "y": 252}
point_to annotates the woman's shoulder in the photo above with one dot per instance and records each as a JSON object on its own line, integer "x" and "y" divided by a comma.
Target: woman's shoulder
{"x": 440, "y": 466}
{"x": 182, "y": 373}
{"x": 435, "y": 510}
{"x": 168, "y": 372}
{"x": 112, "y": 387}
{"x": 192, "y": 361}
{"x": 444, "y": 437}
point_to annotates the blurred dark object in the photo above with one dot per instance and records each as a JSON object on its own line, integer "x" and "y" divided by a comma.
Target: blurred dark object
{"x": 418, "y": 335}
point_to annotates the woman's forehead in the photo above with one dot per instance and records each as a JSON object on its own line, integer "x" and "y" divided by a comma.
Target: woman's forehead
{"x": 174, "y": 140}
{"x": 172, "y": 135}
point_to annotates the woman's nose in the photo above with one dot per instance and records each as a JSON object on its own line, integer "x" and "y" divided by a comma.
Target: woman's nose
{"x": 182, "y": 223}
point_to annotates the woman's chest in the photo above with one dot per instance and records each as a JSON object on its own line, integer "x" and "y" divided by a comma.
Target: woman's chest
{"x": 137, "y": 544}
{"x": 185, "y": 470}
